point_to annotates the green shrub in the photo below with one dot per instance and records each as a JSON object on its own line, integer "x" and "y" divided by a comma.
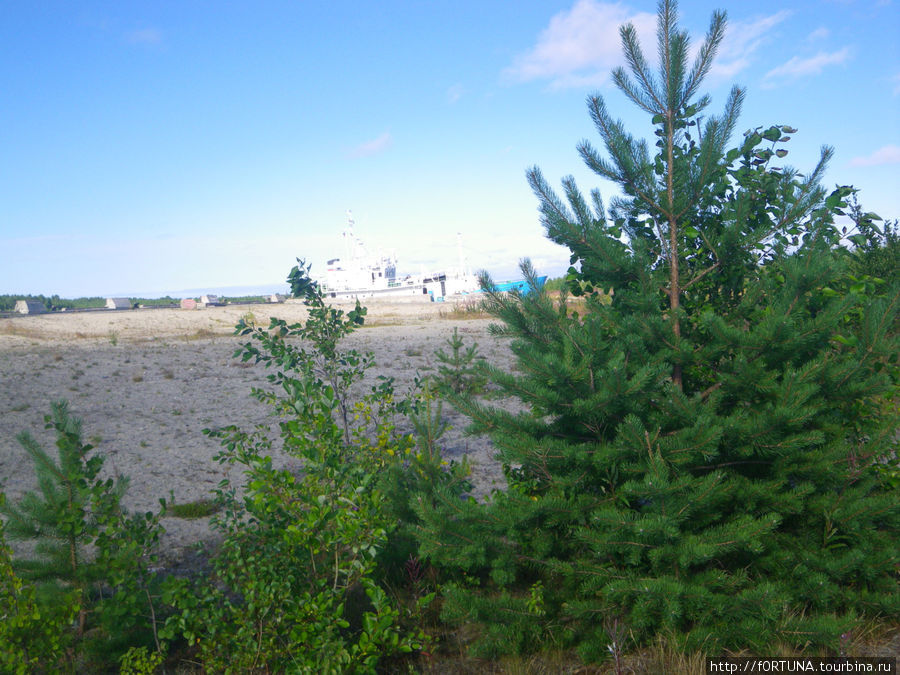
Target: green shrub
{"x": 295, "y": 584}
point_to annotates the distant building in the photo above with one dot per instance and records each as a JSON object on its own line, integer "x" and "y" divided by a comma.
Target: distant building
{"x": 210, "y": 300}
{"x": 118, "y": 303}
{"x": 188, "y": 303}
{"x": 276, "y": 297}
{"x": 30, "y": 307}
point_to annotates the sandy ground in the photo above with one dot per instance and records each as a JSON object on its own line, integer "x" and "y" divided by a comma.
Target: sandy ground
{"x": 147, "y": 382}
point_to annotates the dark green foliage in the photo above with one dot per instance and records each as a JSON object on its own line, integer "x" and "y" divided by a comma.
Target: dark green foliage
{"x": 693, "y": 459}
{"x": 244, "y": 299}
{"x": 91, "y": 556}
{"x": 155, "y": 302}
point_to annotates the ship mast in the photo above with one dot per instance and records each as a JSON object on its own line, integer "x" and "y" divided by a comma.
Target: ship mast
{"x": 463, "y": 270}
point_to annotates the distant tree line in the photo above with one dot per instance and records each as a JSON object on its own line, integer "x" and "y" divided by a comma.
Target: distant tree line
{"x": 56, "y": 303}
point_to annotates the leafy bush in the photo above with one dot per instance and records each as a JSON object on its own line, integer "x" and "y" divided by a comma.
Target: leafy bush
{"x": 294, "y": 586}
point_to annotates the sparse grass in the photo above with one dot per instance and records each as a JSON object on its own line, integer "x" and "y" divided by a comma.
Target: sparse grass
{"x": 113, "y": 337}
{"x": 201, "y": 334}
{"x": 387, "y": 320}
{"x": 200, "y": 508}
{"x": 168, "y": 374}
{"x": 464, "y": 309}
{"x": 872, "y": 638}
{"x": 19, "y": 329}
{"x": 22, "y": 407}
{"x": 137, "y": 378}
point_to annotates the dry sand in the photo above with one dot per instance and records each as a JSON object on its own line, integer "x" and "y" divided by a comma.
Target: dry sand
{"x": 147, "y": 382}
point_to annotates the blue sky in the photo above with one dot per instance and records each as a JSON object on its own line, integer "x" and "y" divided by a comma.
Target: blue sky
{"x": 152, "y": 147}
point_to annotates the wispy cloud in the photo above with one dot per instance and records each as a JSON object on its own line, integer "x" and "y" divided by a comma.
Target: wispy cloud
{"x": 742, "y": 40}
{"x": 580, "y": 46}
{"x": 144, "y": 36}
{"x": 819, "y": 33}
{"x": 896, "y": 80}
{"x": 888, "y": 154}
{"x": 455, "y": 93}
{"x": 798, "y": 67}
{"x": 374, "y": 146}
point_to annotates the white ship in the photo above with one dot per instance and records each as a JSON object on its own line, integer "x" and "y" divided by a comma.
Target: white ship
{"x": 360, "y": 274}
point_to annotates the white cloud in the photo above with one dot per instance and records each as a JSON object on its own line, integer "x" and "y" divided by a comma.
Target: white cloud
{"x": 373, "y": 147}
{"x": 145, "y": 36}
{"x": 813, "y": 65}
{"x": 819, "y": 33}
{"x": 888, "y": 154}
{"x": 580, "y": 46}
{"x": 742, "y": 40}
{"x": 455, "y": 93}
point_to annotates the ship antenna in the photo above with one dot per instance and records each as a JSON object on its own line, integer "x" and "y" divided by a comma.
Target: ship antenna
{"x": 463, "y": 268}
{"x": 348, "y": 236}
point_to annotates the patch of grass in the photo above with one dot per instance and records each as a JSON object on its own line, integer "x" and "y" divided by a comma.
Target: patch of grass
{"x": 201, "y": 334}
{"x": 464, "y": 309}
{"x": 168, "y": 374}
{"x": 201, "y": 508}
{"x": 20, "y": 329}
{"x": 137, "y": 378}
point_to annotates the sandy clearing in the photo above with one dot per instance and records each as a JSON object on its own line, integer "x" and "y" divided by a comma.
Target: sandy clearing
{"x": 147, "y": 382}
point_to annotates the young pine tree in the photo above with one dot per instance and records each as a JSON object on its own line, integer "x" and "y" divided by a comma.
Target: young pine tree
{"x": 86, "y": 545}
{"x": 688, "y": 462}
